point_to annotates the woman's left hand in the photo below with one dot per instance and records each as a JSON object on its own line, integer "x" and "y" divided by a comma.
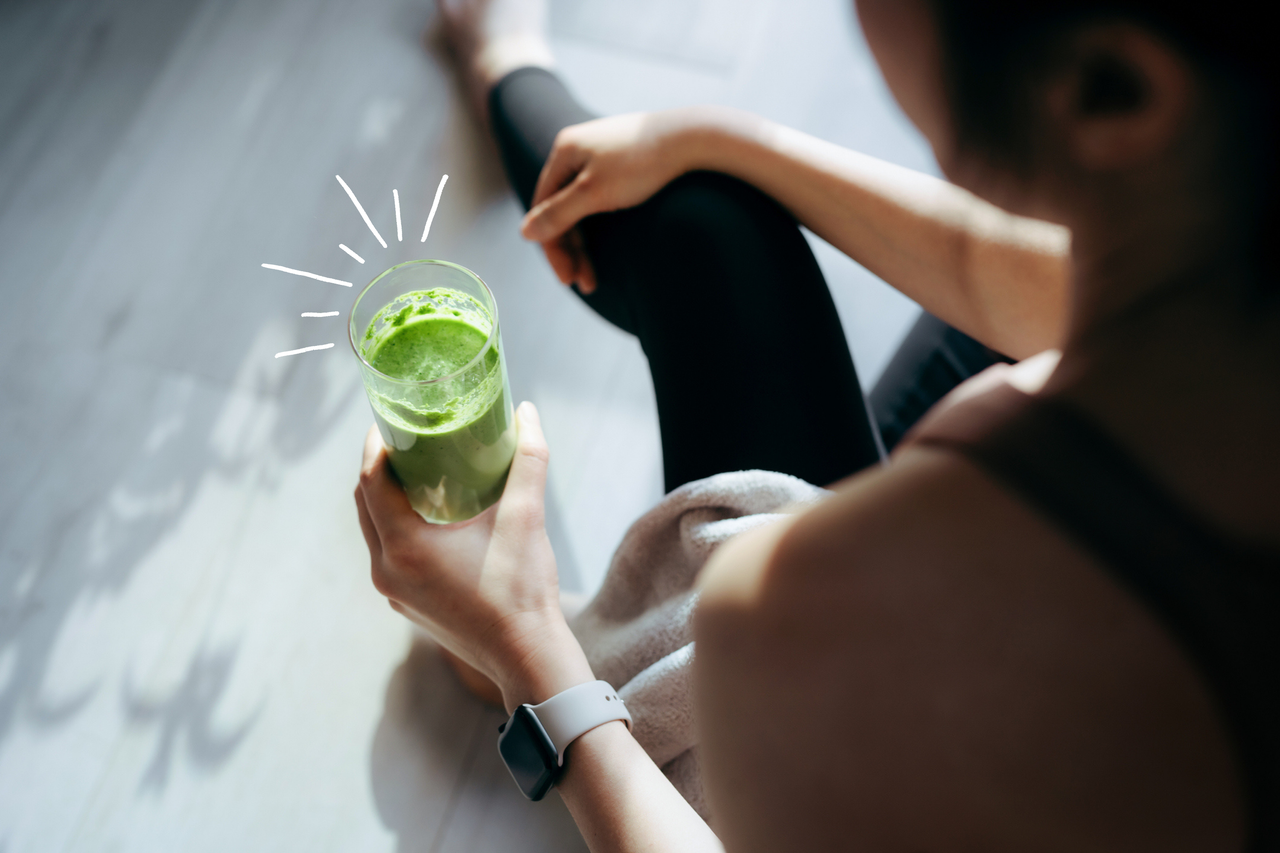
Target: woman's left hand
{"x": 486, "y": 589}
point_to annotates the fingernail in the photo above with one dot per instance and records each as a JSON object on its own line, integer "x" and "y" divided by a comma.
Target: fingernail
{"x": 529, "y": 226}
{"x": 528, "y": 413}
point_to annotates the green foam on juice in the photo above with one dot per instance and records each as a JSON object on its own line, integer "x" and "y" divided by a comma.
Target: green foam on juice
{"x": 450, "y": 433}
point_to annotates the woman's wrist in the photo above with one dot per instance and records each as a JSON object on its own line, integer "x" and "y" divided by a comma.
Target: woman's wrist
{"x": 552, "y": 662}
{"x": 713, "y": 138}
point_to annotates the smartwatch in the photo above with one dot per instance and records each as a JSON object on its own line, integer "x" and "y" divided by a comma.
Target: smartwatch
{"x": 533, "y": 741}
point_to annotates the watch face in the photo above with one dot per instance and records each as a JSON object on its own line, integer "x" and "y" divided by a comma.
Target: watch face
{"x": 528, "y": 753}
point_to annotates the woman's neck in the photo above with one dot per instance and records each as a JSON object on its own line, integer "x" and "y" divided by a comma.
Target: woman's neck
{"x": 1134, "y": 266}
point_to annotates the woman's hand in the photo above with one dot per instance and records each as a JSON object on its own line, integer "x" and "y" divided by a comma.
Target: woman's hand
{"x": 602, "y": 165}
{"x": 486, "y": 589}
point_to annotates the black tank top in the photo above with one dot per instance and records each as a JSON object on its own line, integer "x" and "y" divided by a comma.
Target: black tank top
{"x": 1218, "y": 598}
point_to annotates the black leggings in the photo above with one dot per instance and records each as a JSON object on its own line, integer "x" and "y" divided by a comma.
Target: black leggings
{"x": 749, "y": 361}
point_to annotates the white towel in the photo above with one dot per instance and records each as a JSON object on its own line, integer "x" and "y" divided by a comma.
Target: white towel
{"x": 638, "y": 630}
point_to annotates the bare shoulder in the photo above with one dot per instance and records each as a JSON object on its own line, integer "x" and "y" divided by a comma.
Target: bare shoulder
{"x": 922, "y": 662}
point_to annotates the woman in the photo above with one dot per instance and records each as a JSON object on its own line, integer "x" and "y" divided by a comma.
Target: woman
{"x": 1047, "y": 623}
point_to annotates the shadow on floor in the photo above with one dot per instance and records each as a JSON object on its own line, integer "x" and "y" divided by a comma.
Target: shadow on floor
{"x": 185, "y": 717}
{"x": 423, "y": 748}
{"x": 437, "y": 780}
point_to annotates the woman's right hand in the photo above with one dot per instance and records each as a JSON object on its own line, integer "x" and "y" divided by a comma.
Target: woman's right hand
{"x": 602, "y": 165}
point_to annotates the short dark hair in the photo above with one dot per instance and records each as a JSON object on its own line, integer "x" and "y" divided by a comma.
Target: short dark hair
{"x": 993, "y": 47}
{"x": 996, "y": 51}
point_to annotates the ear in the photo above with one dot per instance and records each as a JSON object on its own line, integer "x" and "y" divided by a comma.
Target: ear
{"x": 1122, "y": 97}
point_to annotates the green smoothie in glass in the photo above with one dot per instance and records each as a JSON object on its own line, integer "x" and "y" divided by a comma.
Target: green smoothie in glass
{"x": 436, "y": 378}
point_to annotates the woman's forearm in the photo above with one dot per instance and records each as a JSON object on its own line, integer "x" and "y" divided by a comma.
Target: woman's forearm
{"x": 1000, "y": 278}
{"x": 619, "y": 798}
{"x": 622, "y": 802}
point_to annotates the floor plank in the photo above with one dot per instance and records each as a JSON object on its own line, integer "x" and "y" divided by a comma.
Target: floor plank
{"x": 191, "y": 655}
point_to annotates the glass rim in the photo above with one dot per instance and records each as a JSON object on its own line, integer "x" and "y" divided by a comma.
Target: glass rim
{"x": 488, "y": 343}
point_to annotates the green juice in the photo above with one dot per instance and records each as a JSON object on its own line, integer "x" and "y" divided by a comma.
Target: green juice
{"x": 448, "y": 423}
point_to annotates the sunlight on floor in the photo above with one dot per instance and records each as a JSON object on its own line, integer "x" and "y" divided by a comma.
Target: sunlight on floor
{"x": 191, "y": 655}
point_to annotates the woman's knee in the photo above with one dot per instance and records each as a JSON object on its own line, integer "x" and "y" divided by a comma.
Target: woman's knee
{"x": 714, "y": 231}
{"x": 717, "y": 211}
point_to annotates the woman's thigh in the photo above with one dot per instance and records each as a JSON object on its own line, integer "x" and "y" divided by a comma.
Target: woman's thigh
{"x": 747, "y": 354}
{"x": 748, "y": 358}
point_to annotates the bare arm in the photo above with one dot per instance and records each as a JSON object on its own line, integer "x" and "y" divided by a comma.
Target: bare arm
{"x": 622, "y": 802}
{"x": 998, "y": 277}
{"x": 616, "y": 794}
{"x": 922, "y": 663}
{"x": 486, "y": 589}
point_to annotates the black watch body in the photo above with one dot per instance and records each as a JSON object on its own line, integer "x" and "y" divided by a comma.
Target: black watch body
{"x": 529, "y": 753}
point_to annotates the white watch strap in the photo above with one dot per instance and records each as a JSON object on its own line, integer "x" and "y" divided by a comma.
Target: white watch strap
{"x": 572, "y": 713}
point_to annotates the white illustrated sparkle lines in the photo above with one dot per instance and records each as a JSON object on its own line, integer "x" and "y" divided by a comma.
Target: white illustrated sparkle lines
{"x": 432, "y": 215}
{"x": 304, "y": 349}
{"x": 395, "y": 195}
{"x": 306, "y": 274}
{"x": 360, "y": 208}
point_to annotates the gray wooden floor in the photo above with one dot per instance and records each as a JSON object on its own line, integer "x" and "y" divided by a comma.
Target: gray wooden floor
{"x": 191, "y": 655}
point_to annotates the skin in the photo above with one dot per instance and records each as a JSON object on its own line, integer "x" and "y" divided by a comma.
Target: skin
{"x": 997, "y": 690}
{"x": 486, "y": 590}
{"x": 959, "y": 257}
{"x": 921, "y": 661}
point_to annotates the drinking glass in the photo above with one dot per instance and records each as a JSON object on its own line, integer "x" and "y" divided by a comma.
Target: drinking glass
{"x": 450, "y": 439}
